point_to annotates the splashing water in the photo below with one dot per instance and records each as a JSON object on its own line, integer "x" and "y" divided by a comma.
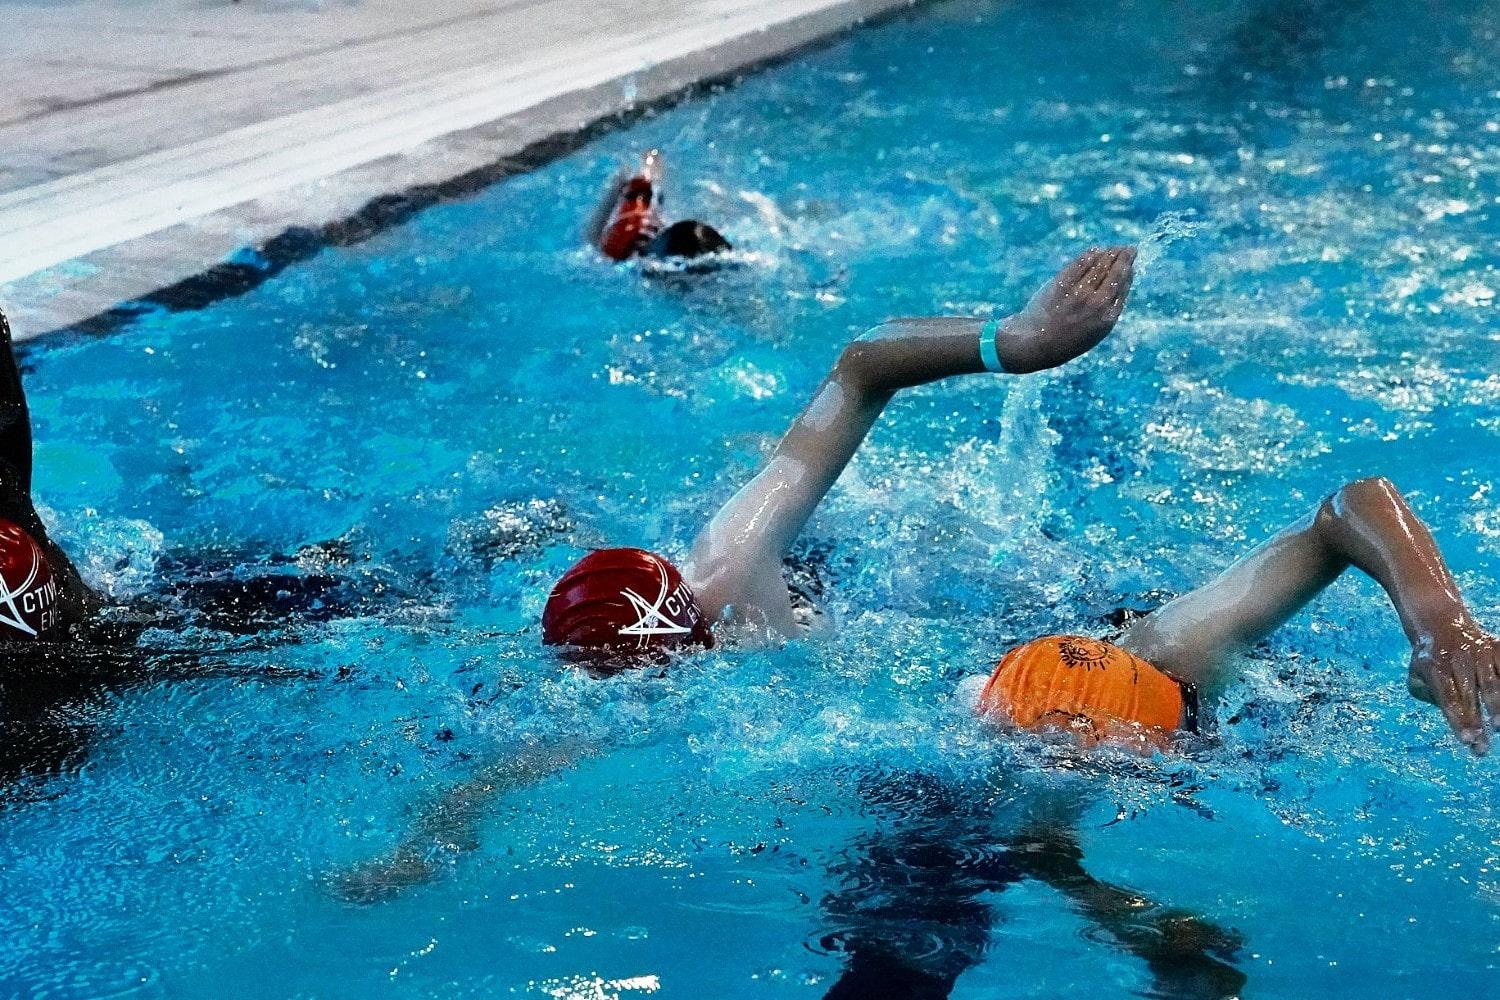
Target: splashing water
{"x": 403, "y": 443}
{"x": 1168, "y": 228}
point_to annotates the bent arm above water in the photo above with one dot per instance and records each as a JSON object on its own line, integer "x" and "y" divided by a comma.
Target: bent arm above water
{"x": 1366, "y": 524}
{"x": 736, "y": 560}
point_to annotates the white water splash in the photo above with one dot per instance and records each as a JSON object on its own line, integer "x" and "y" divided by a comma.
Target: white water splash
{"x": 1168, "y": 228}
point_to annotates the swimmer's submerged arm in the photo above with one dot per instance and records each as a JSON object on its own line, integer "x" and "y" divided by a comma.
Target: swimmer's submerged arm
{"x": 1368, "y": 525}
{"x": 1187, "y": 955}
{"x": 736, "y": 560}
{"x": 450, "y": 823}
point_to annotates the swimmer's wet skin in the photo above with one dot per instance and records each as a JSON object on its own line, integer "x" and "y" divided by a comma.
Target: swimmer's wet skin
{"x": 1096, "y": 690}
{"x": 617, "y": 604}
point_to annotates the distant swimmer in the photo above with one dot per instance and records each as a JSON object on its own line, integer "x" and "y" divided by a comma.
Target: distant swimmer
{"x": 628, "y": 222}
{"x": 1145, "y": 688}
{"x": 618, "y": 608}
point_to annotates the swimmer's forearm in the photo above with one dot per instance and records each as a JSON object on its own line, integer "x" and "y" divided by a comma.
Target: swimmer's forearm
{"x": 1366, "y": 524}
{"x": 15, "y": 419}
{"x": 450, "y": 824}
{"x": 594, "y": 234}
{"x": 824, "y": 437}
{"x": 964, "y": 346}
{"x": 911, "y": 351}
{"x": 1069, "y": 315}
{"x": 1181, "y": 949}
{"x": 1369, "y": 524}
{"x": 736, "y": 559}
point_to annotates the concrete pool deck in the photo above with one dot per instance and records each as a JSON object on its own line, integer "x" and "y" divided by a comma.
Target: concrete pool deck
{"x": 142, "y": 141}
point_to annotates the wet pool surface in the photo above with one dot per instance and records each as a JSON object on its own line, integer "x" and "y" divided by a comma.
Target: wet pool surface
{"x": 386, "y": 456}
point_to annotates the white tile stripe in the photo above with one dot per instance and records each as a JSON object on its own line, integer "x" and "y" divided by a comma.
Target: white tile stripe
{"x": 50, "y": 223}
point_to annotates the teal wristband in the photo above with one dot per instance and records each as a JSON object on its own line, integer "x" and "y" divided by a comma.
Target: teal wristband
{"x": 989, "y": 354}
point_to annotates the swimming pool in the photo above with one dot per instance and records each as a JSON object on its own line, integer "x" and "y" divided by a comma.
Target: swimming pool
{"x": 448, "y": 413}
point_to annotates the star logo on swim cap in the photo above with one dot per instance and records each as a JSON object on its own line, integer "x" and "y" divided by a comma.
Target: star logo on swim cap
{"x": 10, "y": 614}
{"x": 651, "y": 620}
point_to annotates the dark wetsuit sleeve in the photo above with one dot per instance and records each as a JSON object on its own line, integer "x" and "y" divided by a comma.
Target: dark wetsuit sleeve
{"x": 15, "y": 422}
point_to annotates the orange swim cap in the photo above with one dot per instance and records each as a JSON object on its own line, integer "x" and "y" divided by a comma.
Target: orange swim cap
{"x": 1092, "y": 688}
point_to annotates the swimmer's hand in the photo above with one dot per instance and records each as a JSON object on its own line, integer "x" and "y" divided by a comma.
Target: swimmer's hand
{"x": 1458, "y": 670}
{"x": 1075, "y": 311}
{"x": 383, "y": 878}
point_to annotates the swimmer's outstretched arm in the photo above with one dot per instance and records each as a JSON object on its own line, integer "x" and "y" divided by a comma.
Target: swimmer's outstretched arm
{"x": 651, "y": 168}
{"x": 735, "y": 565}
{"x": 449, "y": 824}
{"x": 599, "y": 218}
{"x": 1455, "y": 663}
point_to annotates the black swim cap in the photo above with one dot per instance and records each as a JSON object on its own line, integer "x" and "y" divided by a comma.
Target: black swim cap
{"x": 688, "y": 238}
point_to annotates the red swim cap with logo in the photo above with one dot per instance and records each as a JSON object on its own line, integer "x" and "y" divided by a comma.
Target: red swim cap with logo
{"x": 28, "y": 593}
{"x": 624, "y": 599}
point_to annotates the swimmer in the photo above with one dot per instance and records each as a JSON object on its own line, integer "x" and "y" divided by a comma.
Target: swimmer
{"x": 42, "y": 597}
{"x": 62, "y": 642}
{"x": 1145, "y": 688}
{"x": 628, "y": 601}
{"x": 617, "y": 608}
{"x": 628, "y": 222}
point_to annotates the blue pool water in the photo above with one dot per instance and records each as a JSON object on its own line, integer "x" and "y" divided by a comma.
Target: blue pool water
{"x": 444, "y": 417}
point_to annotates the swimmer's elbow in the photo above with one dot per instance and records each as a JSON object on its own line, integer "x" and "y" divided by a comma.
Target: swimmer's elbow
{"x": 1358, "y": 496}
{"x": 1355, "y": 501}
{"x": 1371, "y": 489}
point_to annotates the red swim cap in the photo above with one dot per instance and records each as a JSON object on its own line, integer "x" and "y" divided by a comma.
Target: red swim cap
{"x": 28, "y": 593}
{"x": 623, "y": 599}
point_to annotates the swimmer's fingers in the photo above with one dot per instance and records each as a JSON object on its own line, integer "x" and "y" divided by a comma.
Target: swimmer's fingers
{"x": 1450, "y": 679}
{"x": 1103, "y": 279}
{"x": 1487, "y": 672}
{"x": 1118, "y": 287}
{"x": 1071, "y": 277}
{"x": 1098, "y": 272}
{"x": 1124, "y": 274}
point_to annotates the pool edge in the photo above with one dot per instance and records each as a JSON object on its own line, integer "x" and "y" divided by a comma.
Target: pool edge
{"x": 203, "y": 262}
